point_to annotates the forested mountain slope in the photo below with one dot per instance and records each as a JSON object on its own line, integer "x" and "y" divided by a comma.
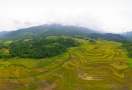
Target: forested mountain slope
{"x": 57, "y": 30}
{"x": 47, "y": 30}
{"x": 108, "y": 36}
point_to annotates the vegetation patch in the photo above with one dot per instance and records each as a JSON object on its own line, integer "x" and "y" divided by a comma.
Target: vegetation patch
{"x": 127, "y": 47}
{"x": 41, "y": 48}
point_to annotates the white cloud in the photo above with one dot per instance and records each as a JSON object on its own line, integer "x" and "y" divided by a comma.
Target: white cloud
{"x": 106, "y": 15}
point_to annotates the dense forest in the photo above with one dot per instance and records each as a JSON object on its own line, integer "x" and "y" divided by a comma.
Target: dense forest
{"x": 37, "y": 47}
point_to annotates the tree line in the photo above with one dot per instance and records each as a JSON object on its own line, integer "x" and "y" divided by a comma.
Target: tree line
{"x": 40, "y": 47}
{"x": 128, "y": 47}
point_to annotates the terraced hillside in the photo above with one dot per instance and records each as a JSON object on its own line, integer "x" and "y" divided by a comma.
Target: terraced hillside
{"x": 92, "y": 66}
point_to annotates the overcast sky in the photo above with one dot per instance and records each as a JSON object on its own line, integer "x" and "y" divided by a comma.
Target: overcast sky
{"x": 106, "y": 15}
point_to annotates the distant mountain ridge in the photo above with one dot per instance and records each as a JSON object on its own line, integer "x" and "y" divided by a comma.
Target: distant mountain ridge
{"x": 57, "y": 29}
{"x": 108, "y": 36}
{"x": 4, "y": 32}
{"x": 127, "y": 35}
{"x": 46, "y": 30}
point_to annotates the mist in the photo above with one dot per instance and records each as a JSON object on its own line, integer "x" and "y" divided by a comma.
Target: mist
{"x": 109, "y": 16}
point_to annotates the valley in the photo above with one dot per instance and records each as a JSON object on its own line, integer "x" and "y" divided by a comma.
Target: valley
{"x": 91, "y": 66}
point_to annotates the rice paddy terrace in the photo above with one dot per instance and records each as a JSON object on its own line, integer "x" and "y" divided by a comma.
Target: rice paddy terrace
{"x": 99, "y": 66}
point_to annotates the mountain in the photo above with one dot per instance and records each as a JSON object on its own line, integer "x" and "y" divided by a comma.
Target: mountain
{"x": 4, "y": 32}
{"x": 127, "y": 35}
{"x": 108, "y": 36}
{"x": 48, "y": 30}
{"x": 56, "y": 30}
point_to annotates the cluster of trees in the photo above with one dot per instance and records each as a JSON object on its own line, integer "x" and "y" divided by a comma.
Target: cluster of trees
{"x": 40, "y": 47}
{"x": 128, "y": 46}
{"x": 92, "y": 41}
{"x": 4, "y": 51}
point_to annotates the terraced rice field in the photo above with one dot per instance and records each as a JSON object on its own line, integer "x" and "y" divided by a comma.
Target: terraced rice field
{"x": 100, "y": 66}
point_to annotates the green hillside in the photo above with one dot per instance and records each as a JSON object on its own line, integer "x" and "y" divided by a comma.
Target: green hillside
{"x": 95, "y": 65}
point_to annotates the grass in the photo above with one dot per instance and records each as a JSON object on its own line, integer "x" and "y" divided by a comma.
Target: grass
{"x": 7, "y": 42}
